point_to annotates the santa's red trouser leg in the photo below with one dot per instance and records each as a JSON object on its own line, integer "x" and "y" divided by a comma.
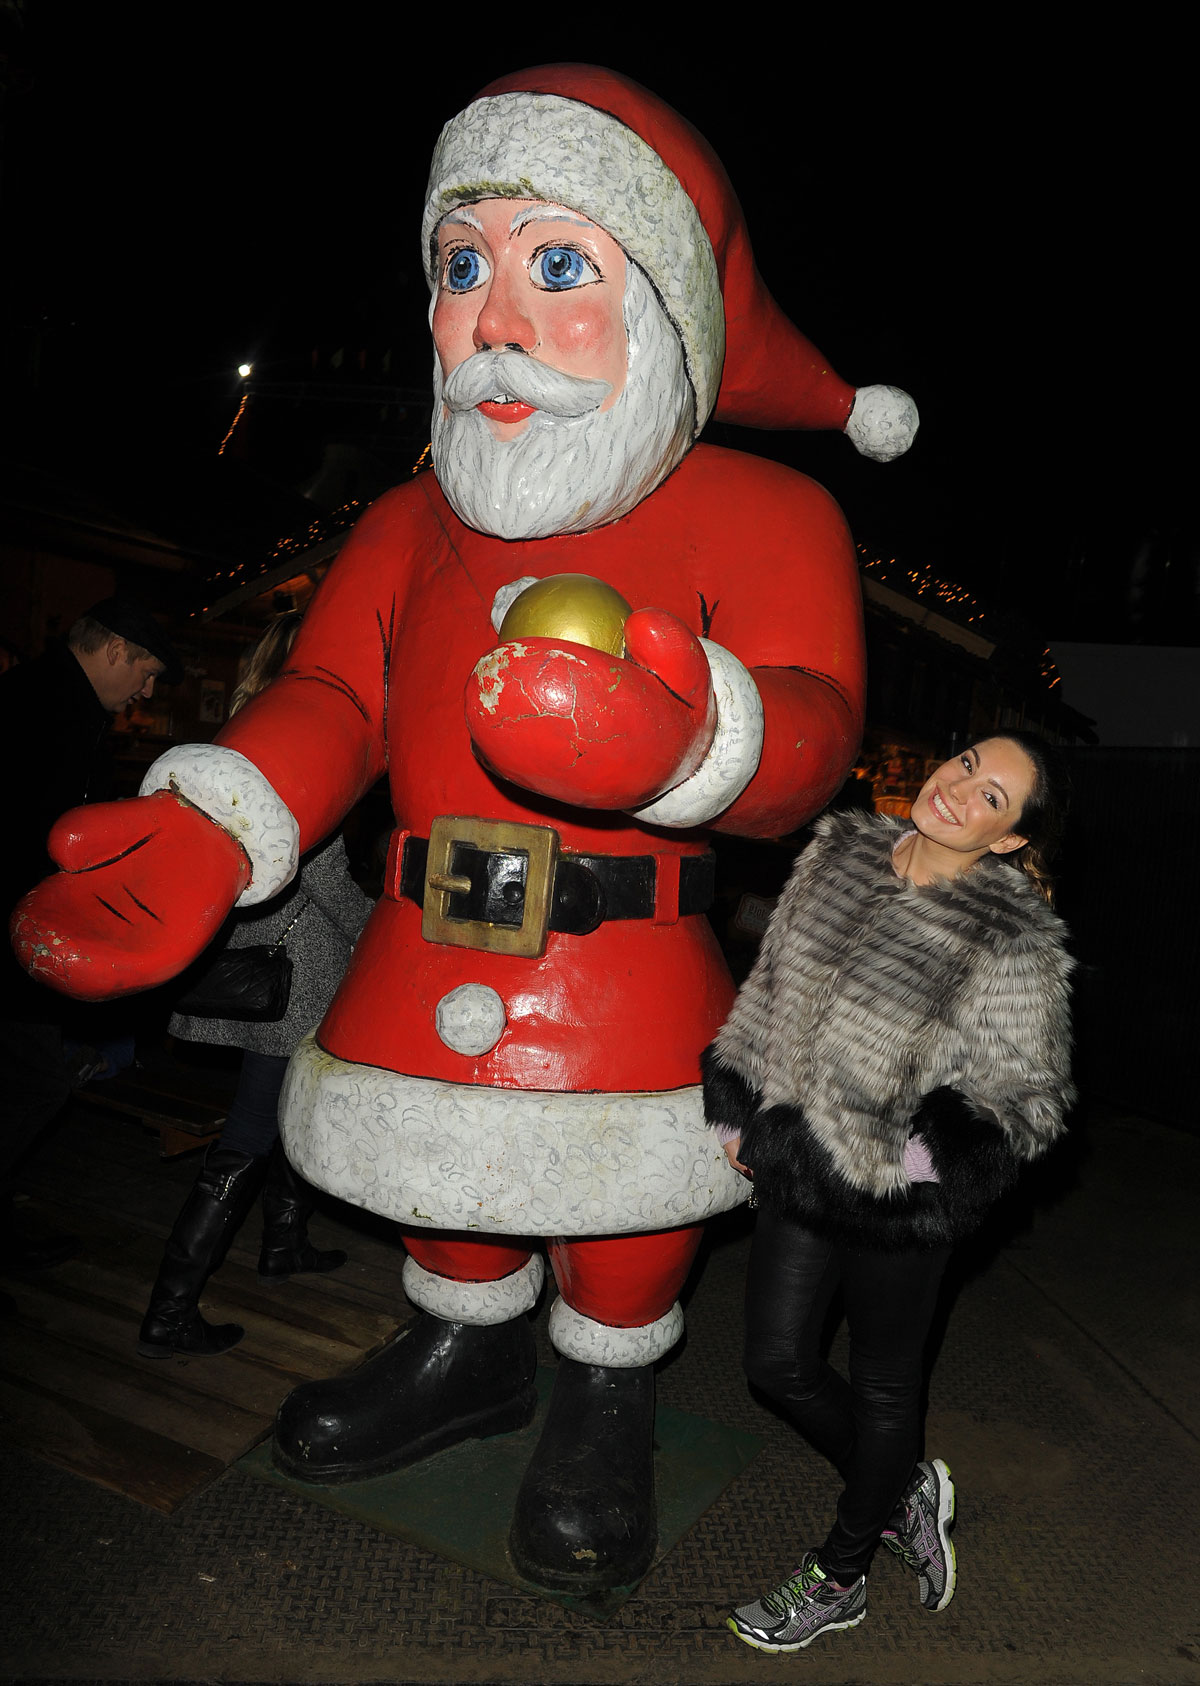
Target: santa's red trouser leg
{"x": 618, "y": 1296}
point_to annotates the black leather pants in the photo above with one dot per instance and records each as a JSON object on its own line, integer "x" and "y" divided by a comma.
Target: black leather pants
{"x": 870, "y": 1426}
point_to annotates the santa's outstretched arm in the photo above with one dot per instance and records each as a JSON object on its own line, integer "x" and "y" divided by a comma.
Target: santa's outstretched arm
{"x": 147, "y": 882}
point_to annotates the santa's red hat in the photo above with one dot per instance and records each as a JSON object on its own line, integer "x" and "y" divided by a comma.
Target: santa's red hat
{"x": 600, "y": 144}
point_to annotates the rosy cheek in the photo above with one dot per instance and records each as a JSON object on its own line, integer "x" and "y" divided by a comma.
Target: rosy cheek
{"x": 452, "y": 329}
{"x": 588, "y": 330}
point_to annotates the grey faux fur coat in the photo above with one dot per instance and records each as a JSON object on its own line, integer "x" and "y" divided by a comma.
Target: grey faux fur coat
{"x": 878, "y": 1008}
{"x": 329, "y": 911}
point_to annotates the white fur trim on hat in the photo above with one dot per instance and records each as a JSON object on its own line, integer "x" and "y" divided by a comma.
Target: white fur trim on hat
{"x": 882, "y": 423}
{"x": 733, "y": 757}
{"x": 236, "y": 796}
{"x": 588, "y": 1342}
{"x": 477, "y": 1303}
{"x": 542, "y": 146}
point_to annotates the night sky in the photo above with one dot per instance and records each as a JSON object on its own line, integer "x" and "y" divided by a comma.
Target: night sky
{"x": 996, "y": 223}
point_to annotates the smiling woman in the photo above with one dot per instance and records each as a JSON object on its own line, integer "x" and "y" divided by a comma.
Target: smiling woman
{"x": 969, "y": 807}
{"x": 1004, "y": 796}
{"x": 898, "y": 1052}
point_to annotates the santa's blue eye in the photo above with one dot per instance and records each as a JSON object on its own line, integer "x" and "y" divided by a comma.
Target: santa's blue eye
{"x": 559, "y": 267}
{"x": 465, "y": 269}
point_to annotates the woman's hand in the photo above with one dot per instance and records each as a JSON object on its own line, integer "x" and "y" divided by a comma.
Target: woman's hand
{"x": 732, "y": 1149}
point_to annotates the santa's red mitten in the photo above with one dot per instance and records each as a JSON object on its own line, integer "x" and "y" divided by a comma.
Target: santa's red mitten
{"x": 145, "y": 885}
{"x": 589, "y": 728}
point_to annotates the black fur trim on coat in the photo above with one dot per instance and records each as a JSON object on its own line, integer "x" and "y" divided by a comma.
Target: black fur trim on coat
{"x": 795, "y": 1176}
{"x": 971, "y": 1154}
{"x": 728, "y": 1098}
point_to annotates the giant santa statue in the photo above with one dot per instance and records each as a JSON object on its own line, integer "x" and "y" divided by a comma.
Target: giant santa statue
{"x": 513, "y": 1058}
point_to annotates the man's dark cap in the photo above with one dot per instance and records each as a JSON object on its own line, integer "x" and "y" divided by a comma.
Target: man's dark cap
{"x": 131, "y": 619}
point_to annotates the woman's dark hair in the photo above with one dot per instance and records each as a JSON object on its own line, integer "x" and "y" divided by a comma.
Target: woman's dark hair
{"x": 1043, "y": 818}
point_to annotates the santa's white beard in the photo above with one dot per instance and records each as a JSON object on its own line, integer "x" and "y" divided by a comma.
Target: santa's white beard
{"x": 568, "y": 474}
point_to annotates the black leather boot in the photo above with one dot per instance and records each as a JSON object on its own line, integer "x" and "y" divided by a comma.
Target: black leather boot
{"x": 287, "y": 1205}
{"x": 585, "y": 1517}
{"x": 436, "y": 1384}
{"x": 209, "y": 1219}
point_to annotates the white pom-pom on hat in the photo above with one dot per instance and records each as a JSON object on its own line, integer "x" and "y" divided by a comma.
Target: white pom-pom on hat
{"x": 883, "y": 422}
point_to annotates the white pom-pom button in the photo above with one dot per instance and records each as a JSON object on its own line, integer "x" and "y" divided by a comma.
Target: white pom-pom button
{"x": 471, "y": 1019}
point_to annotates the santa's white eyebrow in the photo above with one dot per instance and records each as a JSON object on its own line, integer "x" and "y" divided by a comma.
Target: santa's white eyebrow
{"x": 462, "y": 215}
{"x": 546, "y": 213}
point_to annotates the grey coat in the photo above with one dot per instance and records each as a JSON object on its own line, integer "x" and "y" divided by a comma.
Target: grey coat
{"x": 877, "y": 1009}
{"x": 330, "y": 911}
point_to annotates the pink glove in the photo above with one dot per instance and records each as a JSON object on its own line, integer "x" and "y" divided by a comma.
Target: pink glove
{"x": 145, "y": 886}
{"x": 592, "y": 729}
{"x": 918, "y": 1163}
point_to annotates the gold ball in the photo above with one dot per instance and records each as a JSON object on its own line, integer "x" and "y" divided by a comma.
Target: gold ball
{"x": 574, "y": 607}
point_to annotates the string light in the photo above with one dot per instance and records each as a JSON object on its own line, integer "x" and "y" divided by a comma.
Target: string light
{"x": 319, "y": 529}
{"x": 924, "y": 582}
{"x": 232, "y": 425}
{"x": 953, "y": 600}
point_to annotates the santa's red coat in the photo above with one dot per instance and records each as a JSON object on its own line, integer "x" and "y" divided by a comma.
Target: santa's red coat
{"x": 375, "y": 687}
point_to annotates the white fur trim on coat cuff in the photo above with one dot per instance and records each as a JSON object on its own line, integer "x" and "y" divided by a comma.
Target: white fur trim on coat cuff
{"x": 882, "y": 423}
{"x": 733, "y": 757}
{"x": 588, "y": 1342}
{"x": 507, "y": 595}
{"x": 236, "y": 796}
{"x": 477, "y": 1303}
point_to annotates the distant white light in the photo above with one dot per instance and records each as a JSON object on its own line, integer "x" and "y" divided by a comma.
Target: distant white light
{"x": 245, "y": 370}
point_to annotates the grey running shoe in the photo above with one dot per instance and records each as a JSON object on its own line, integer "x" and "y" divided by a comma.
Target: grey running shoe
{"x": 924, "y": 1542}
{"x": 794, "y": 1614}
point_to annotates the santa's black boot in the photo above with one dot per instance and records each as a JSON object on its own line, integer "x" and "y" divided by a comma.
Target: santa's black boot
{"x": 209, "y": 1219}
{"x": 436, "y": 1384}
{"x": 585, "y": 1517}
{"x": 287, "y": 1205}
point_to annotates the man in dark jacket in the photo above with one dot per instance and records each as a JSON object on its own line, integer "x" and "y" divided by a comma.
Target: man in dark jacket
{"x": 55, "y": 714}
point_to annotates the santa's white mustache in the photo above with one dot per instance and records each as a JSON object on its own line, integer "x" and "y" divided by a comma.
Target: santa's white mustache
{"x": 515, "y": 375}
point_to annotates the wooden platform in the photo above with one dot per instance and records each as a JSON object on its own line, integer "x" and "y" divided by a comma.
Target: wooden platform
{"x": 183, "y": 1122}
{"x": 72, "y": 1387}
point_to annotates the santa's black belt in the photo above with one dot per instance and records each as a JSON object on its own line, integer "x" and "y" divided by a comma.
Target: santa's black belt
{"x": 499, "y": 885}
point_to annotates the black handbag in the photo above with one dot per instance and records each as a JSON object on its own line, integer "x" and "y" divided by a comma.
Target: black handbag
{"x": 243, "y": 983}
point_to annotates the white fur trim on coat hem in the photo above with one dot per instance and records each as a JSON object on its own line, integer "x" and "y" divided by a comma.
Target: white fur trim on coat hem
{"x": 477, "y": 1303}
{"x": 227, "y": 787}
{"x": 733, "y": 757}
{"x": 431, "y": 1154}
{"x": 588, "y": 1342}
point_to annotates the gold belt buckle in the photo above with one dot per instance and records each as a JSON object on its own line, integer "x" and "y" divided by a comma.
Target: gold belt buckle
{"x": 539, "y": 845}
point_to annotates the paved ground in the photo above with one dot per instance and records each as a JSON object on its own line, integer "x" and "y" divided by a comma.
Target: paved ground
{"x": 1066, "y": 1397}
